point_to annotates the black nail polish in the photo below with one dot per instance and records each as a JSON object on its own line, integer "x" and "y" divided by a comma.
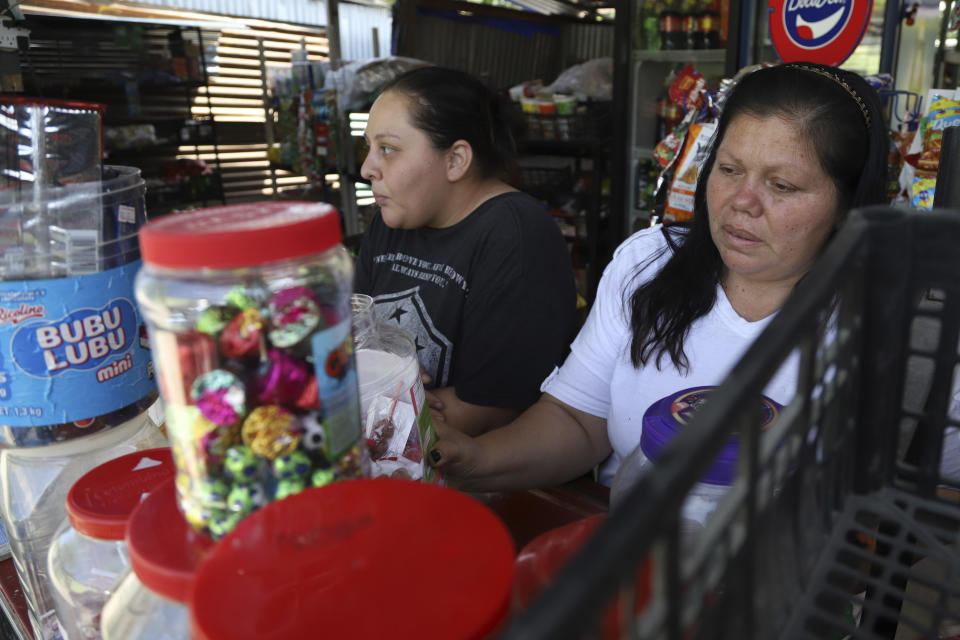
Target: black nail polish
{"x": 435, "y": 455}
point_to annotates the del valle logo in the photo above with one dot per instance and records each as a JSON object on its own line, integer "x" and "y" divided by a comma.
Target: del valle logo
{"x": 823, "y": 31}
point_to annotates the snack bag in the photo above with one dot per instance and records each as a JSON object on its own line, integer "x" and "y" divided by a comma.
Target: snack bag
{"x": 688, "y": 89}
{"x": 684, "y": 185}
{"x": 922, "y": 193}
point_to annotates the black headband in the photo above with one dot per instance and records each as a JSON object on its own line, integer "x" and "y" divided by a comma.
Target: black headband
{"x": 843, "y": 83}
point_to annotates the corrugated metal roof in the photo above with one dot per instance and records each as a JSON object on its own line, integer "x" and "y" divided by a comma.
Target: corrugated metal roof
{"x": 356, "y": 20}
{"x": 312, "y": 12}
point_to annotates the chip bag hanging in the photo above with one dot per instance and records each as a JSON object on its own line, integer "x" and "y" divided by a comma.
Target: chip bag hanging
{"x": 680, "y": 197}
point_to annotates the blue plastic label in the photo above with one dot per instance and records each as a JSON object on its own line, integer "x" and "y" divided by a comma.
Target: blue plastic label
{"x": 71, "y": 348}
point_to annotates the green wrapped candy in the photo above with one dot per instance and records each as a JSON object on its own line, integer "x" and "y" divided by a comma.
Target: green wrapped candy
{"x": 212, "y": 491}
{"x": 223, "y": 523}
{"x": 321, "y": 477}
{"x": 295, "y": 464}
{"x": 213, "y": 319}
{"x": 245, "y": 497}
{"x": 239, "y": 297}
{"x": 286, "y": 488}
{"x": 242, "y": 464}
{"x": 197, "y": 515}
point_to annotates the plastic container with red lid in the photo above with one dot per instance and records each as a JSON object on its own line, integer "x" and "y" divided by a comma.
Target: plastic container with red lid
{"x": 88, "y": 555}
{"x": 365, "y": 560}
{"x": 248, "y": 309}
{"x": 150, "y": 601}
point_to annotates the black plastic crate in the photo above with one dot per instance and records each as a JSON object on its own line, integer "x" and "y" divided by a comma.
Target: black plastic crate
{"x": 842, "y": 495}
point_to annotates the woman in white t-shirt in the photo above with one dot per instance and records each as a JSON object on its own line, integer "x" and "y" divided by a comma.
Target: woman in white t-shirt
{"x": 797, "y": 146}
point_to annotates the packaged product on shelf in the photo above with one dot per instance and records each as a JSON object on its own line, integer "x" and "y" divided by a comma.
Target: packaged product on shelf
{"x": 679, "y": 207}
{"x": 526, "y": 89}
{"x": 923, "y": 156}
{"x": 89, "y": 554}
{"x": 682, "y": 152}
{"x": 249, "y": 315}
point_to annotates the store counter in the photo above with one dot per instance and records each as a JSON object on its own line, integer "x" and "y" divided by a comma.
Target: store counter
{"x": 526, "y": 514}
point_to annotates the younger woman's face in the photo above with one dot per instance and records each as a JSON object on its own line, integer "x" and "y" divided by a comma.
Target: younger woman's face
{"x": 406, "y": 172}
{"x": 771, "y": 205}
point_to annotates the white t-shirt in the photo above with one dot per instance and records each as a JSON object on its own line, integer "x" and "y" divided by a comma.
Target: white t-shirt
{"x": 598, "y": 377}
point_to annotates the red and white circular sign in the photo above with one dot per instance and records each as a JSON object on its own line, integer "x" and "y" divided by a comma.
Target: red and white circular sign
{"x": 822, "y": 31}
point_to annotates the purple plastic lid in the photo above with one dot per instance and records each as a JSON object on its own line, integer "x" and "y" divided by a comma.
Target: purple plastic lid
{"x": 667, "y": 416}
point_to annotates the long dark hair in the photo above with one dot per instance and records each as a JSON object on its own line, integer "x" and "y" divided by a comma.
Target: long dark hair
{"x": 450, "y": 105}
{"x": 831, "y": 108}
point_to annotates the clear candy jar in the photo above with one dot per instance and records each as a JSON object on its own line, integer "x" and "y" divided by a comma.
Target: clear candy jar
{"x": 150, "y": 602}
{"x": 248, "y": 309}
{"x": 393, "y": 409}
{"x": 34, "y": 483}
{"x": 88, "y": 554}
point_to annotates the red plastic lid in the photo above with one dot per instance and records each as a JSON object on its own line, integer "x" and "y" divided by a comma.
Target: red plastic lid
{"x": 240, "y": 235}
{"x": 100, "y": 502}
{"x": 164, "y": 550}
{"x": 363, "y": 559}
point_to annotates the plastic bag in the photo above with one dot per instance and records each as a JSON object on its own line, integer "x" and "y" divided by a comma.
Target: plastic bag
{"x": 591, "y": 80}
{"x": 358, "y": 83}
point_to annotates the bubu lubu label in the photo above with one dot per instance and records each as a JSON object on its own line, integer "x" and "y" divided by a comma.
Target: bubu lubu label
{"x": 71, "y": 348}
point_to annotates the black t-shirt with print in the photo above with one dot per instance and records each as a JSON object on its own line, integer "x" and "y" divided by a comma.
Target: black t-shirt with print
{"x": 490, "y": 301}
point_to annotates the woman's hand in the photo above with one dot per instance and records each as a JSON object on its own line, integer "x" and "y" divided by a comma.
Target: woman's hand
{"x": 454, "y": 453}
{"x": 548, "y": 444}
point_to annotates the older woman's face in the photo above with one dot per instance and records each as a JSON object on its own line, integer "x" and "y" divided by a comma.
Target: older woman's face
{"x": 771, "y": 206}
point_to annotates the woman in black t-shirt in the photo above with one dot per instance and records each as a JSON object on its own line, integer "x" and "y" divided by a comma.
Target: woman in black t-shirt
{"x": 475, "y": 270}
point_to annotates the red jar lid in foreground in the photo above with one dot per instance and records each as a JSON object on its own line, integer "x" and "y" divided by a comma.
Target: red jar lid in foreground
{"x": 362, "y": 559}
{"x": 240, "y": 235}
{"x": 100, "y": 502}
{"x": 164, "y": 550}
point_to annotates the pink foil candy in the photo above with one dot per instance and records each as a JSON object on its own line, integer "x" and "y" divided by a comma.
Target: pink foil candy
{"x": 281, "y": 380}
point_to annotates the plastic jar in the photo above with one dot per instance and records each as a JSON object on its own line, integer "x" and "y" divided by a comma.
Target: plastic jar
{"x": 150, "y": 602}
{"x": 74, "y": 359}
{"x": 88, "y": 554}
{"x": 35, "y": 482}
{"x": 248, "y": 308}
{"x": 661, "y": 422}
{"x": 393, "y": 408}
{"x": 365, "y": 560}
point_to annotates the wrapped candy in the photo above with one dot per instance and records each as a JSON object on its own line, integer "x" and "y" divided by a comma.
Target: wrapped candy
{"x": 242, "y": 337}
{"x": 271, "y": 431}
{"x": 269, "y": 400}
{"x": 282, "y": 379}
